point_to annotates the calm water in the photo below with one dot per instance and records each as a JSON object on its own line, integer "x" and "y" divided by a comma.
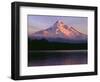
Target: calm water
{"x": 48, "y": 58}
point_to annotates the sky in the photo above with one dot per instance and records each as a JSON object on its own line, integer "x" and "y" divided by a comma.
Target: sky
{"x": 40, "y": 22}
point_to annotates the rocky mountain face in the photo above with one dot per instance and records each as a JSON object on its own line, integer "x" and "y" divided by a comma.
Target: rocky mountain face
{"x": 60, "y": 32}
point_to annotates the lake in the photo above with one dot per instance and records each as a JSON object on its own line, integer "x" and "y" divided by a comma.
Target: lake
{"x": 55, "y": 57}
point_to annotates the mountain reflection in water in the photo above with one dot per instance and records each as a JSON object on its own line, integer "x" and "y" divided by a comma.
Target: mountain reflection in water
{"x": 49, "y": 58}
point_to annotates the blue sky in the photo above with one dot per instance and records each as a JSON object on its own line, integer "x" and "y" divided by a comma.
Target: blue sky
{"x": 39, "y": 22}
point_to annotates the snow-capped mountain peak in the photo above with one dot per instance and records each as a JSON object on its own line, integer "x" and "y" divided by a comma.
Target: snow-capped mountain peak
{"x": 60, "y": 32}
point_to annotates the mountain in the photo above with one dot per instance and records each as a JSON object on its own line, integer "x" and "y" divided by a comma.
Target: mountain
{"x": 59, "y": 32}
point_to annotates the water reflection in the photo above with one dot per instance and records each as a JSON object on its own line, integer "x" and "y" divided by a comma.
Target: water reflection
{"x": 37, "y": 58}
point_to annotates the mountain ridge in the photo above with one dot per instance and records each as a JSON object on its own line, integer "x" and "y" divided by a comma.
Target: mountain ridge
{"x": 59, "y": 32}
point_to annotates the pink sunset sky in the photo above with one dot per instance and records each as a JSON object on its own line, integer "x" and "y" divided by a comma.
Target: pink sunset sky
{"x": 40, "y": 22}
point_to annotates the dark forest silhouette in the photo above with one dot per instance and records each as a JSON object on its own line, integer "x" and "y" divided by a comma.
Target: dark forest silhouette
{"x": 45, "y": 45}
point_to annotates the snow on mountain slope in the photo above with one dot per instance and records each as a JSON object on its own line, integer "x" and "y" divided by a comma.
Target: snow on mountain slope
{"x": 60, "y": 32}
